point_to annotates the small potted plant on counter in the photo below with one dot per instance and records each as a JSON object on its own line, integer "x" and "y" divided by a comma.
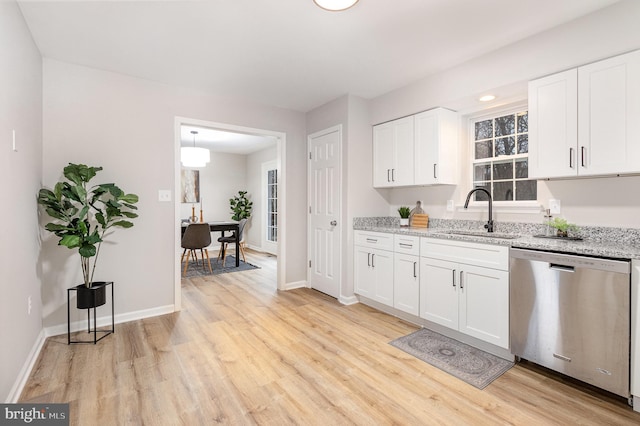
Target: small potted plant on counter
{"x": 562, "y": 226}
{"x": 404, "y": 215}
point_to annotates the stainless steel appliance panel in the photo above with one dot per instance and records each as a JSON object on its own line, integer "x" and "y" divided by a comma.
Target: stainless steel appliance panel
{"x": 572, "y": 314}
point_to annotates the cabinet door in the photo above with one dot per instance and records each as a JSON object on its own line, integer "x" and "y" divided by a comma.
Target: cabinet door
{"x": 439, "y": 292}
{"x": 608, "y": 112}
{"x": 382, "y": 268}
{"x": 393, "y": 153}
{"x": 406, "y": 283}
{"x": 383, "y": 154}
{"x": 484, "y": 304}
{"x": 553, "y": 123}
{"x": 436, "y": 147}
{"x": 364, "y": 280}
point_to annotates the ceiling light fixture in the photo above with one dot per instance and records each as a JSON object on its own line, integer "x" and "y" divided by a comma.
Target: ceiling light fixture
{"x": 335, "y": 5}
{"x": 190, "y": 156}
{"x": 487, "y": 98}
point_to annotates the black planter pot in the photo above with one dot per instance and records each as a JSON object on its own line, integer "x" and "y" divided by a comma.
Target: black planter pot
{"x": 91, "y": 297}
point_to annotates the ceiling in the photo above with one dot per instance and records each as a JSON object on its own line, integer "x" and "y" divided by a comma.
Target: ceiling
{"x": 224, "y": 141}
{"x": 287, "y": 53}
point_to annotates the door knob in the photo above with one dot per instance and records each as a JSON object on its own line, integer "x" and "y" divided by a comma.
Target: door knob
{"x": 333, "y": 223}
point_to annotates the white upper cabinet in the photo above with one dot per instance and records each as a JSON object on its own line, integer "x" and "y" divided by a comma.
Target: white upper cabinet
{"x": 421, "y": 149}
{"x": 584, "y": 121}
{"x": 436, "y": 149}
{"x": 609, "y": 116}
{"x": 393, "y": 153}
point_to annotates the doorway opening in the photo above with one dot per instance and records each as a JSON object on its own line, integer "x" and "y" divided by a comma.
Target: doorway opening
{"x": 238, "y": 156}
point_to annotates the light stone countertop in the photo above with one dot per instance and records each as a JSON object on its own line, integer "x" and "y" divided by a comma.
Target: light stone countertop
{"x": 619, "y": 243}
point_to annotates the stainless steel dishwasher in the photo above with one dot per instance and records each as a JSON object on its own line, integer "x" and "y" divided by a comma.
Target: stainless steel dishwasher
{"x": 572, "y": 314}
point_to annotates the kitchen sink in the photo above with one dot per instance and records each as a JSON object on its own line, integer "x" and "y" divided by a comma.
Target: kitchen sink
{"x": 484, "y": 234}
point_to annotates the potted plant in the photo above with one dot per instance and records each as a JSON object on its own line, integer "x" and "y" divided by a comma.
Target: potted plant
{"x": 240, "y": 206}
{"x": 83, "y": 214}
{"x": 562, "y": 226}
{"x": 404, "y": 215}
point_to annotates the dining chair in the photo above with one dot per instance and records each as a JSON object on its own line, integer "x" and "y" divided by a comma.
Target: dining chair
{"x": 197, "y": 236}
{"x": 224, "y": 242}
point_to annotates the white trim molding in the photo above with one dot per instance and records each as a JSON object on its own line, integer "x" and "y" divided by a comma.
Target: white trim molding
{"x": 25, "y": 371}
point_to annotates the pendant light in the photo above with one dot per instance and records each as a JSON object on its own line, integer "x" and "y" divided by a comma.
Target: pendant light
{"x": 190, "y": 156}
{"x": 335, "y": 5}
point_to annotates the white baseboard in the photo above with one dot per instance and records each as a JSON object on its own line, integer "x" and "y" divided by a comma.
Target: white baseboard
{"x": 102, "y": 321}
{"x": 25, "y": 371}
{"x": 294, "y": 285}
{"x": 348, "y": 300}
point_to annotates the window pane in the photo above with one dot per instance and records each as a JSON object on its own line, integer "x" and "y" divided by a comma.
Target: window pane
{"x": 503, "y": 170}
{"x": 506, "y": 146}
{"x": 482, "y": 171}
{"x": 505, "y": 125}
{"x": 523, "y": 144}
{"x": 484, "y": 129}
{"x": 526, "y": 189}
{"x": 484, "y": 149}
{"x": 503, "y": 191}
{"x": 523, "y": 123}
{"x": 481, "y": 196}
{"x": 522, "y": 168}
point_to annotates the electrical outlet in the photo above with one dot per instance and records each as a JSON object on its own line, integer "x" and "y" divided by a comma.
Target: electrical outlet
{"x": 554, "y": 206}
{"x": 450, "y": 206}
{"x": 164, "y": 195}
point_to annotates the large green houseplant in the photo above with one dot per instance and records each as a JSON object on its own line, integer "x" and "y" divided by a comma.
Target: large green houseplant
{"x": 83, "y": 213}
{"x": 240, "y": 206}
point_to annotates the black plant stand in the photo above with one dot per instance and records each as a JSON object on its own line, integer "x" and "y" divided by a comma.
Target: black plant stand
{"x": 95, "y": 324}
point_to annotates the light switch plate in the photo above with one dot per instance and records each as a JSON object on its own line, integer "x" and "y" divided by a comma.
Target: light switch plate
{"x": 554, "y": 206}
{"x": 450, "y": 205}
{"x": 164, "y": 195}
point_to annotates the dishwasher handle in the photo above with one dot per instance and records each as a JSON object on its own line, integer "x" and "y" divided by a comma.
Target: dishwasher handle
{"x": 561, "y": 268}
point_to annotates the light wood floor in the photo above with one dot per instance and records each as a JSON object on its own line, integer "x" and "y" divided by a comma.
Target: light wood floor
{"x": 241, "y": 353}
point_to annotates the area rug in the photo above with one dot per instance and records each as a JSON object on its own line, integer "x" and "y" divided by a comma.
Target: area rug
{"x": 196, "y": 269}
{"x": 476, "y": 367}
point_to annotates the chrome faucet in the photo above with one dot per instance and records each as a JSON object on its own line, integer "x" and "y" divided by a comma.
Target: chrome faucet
{"x": 489, "y": 224}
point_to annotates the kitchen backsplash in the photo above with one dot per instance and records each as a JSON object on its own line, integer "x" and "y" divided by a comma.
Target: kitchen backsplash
{"x": 626, "y": 236}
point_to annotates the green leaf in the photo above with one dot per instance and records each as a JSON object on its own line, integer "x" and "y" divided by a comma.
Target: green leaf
{"x": 55, "y": 213}
{"x": 87, "y": 250}
{"x": 123, "y": 224}
{"x": 128, "y": 198}
{"x": 130, "y": 215}
{"x": 53, "y": 227}
{"x": 83, "y": 212}
{"x": 70, "y": 241}
{"x": 100, "y": 219}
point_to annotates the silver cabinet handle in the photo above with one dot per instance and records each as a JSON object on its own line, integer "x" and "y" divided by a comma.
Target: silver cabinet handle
{"x": 453, "y": 278}
{"x": 388, "y": 178}
{"x": 405, "y": 245}
{"x": 368, "y": 259}
{"x": 372, "y": 240}
{"x": 583, "y": 155}
{"x": 372, "y": 257}
{"x": 435, "y": 174}
{"x": 393, "y": 177}
{"x": 414, "y": 270}
{"x": 571, "y": 158}
{"x": 333, "y": 223}
{"x": 461, "y": 282}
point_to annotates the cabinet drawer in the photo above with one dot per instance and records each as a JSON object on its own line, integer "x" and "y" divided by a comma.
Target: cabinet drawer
{"x": 484, "y": 255}
{"x": 406, "y": 244}
{"x": 374, "y": 240}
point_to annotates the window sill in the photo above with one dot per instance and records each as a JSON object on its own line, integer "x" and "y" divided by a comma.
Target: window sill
{"x": 523, "y": 207}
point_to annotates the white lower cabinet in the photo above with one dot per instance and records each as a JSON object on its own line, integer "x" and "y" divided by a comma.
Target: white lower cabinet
{"x": 373, "y": 272}
{"x": 406, "y": 283}
{"x": 463, "y": 296}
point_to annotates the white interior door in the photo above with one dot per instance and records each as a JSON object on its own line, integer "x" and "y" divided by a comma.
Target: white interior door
{"x": 325, "y": 183}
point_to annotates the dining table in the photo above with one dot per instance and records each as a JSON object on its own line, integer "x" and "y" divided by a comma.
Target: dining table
{"x": 222, "y": 226}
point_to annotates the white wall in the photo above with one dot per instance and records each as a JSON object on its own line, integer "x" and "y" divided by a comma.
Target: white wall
{"x": 21, "y": 173}
{"x": 611, "y": 31}
{"x": 255, "y": 227}
{"x": 126, "y": 125}
{"x": 220, "y": 180}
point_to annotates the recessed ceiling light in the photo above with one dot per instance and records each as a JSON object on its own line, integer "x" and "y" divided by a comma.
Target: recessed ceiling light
{"x": 335, "y": 5}
{"x": 487, "y": 98}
